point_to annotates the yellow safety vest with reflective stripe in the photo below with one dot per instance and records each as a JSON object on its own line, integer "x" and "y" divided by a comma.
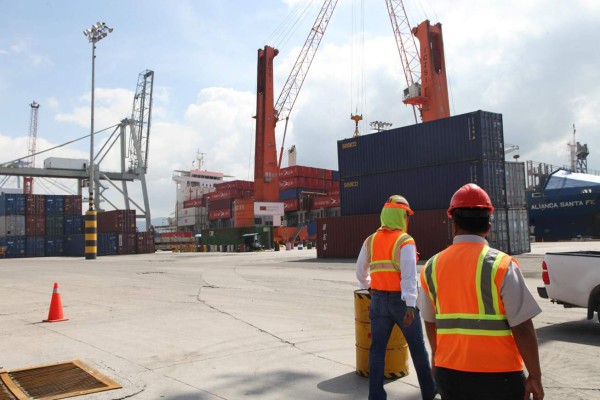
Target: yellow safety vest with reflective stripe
{"x": 463, "y": 283}
{"x": 384, "y": 267}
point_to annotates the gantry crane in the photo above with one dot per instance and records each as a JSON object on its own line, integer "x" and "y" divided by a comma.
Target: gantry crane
{"x": 266, "y": 166}
{"x": 31, "y": 144}
{"x": 427, "y": 87}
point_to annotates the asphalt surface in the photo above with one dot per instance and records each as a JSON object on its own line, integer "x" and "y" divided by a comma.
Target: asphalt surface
{"x": 268, "y": 325}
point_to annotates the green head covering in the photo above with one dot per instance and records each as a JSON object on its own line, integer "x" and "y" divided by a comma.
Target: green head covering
{"x": 394, "y": 212}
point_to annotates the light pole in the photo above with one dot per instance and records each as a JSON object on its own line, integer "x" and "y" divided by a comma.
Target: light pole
{"x": 96, "y": 33}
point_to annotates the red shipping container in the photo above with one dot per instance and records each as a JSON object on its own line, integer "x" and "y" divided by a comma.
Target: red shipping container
{"x": 178, "y": 234}
{"x": 193, "y": 203}
{"x": 118, "y": 221}
{"x": 35, "y": 225}
{"x": 334, "y": 191}
{"x": 240, "y": 185}
{"x": 243, "y": 213}
{"x": 219, "y": 214}
{"x": 290, "y": 205}
{"x": 229, "y": 194}
{"x": 126, "y": 243}
{"x": 342, "y": 237}
{"x": 72, "y": 205}
{"x": 326, "y": 202}
{"x": 35, "y": 204}
{"x": 219, "y": 204}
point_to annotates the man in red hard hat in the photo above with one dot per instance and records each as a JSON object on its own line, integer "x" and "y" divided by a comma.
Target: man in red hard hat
{"x": 387, "y": 265}
{"x": 478, "y": 312}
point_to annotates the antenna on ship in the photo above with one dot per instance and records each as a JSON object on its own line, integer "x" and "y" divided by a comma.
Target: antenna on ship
{"x": 200, "y": 158}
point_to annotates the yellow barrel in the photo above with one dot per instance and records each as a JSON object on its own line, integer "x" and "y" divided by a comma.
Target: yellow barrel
{"x": 396, "y": 354}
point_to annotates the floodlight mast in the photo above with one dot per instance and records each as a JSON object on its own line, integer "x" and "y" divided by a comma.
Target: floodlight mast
{"x": 97, "y": 32}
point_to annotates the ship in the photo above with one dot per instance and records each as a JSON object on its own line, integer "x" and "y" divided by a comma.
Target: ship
{"x": 567, "y": 207}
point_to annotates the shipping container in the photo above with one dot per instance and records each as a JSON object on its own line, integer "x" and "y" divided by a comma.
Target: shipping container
{"x": 229, "y": 194}
{"x": 307, "y": 172}
{"x": 35, "y": 225}
{"x": 73, "y": 224}
{"x": 12, "y": 225}
{"x": 55, "y": 224}
{"x": 326, "y": 201}
{"x": 74, "y": 246}
{"x": 55, "y": 204}
{"x": 35, "y": 246}
{"x": 307, "y": 184}
{"x": 290, "y": 205}
{"x": 118, "y": 221}
{"x": 516, "y": 195}
{"x": 219, "y": 214}
{"x": 201, "y": 202}
{"x": 234, "y": 236}
{"x": 342, "y": 237}
{"x": 107, "y": 244}
{"x": 65, "y": 163}
{"x": 145, "y": 243}
{"x": 54, "y": 246}
{"x": 12, "y": 204}
{"x": 238, "y": 184}
{"x": 290, "y": 194}
{"x": 426, "y": 188}
{"x": 73, "y": 205}
{"x": 219, "y": 204}
{"x": 15, "y": 246}
{"x": 243, "y": 213}
{"x": 126, "y": 243}
{"x": 518, "y": 231}
{"x": 35, "y": 204}
{"x": 472, "y": 136}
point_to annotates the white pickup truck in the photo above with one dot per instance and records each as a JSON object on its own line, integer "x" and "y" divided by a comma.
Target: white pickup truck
{"x": 572, "y": 279}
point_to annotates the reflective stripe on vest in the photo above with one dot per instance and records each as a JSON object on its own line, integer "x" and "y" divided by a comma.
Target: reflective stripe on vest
{"x": 489, "y": 321}
{"x": 384, "y": 268}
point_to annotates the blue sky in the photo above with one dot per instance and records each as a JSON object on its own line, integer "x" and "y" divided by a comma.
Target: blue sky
{"x": 532, "y": 61}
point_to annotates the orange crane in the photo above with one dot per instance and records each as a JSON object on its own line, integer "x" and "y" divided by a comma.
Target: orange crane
{"x": 427, "y": 86}
{"x": 28, "y": 180}
{"x": 266, "y": 165}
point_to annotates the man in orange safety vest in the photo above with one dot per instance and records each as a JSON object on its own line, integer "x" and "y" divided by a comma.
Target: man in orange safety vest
{"x": 387, "y": 265}
{"x": 478, "y": 312}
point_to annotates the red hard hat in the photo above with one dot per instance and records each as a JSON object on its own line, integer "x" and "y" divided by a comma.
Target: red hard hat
{"x": 470, "y": 196}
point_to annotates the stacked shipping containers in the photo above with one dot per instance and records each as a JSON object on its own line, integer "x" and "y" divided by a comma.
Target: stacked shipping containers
{"x": 427, "y": 163}
{"x": 231, "y": 205}
{"x": 53, "y": 225}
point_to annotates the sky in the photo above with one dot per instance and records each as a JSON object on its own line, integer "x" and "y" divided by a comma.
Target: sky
{"x": 535, "y": 62}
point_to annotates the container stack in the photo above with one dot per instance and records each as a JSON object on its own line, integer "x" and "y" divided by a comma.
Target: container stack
{"x": 427, "y": 163}
{"x": 231, "y": 204}
{"x": 121, "y": 224}
{"x": 308, "y": 193}
{"x": 12, "y": 224}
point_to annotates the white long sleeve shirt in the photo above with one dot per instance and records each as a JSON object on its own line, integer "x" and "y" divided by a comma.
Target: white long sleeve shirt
{"x": 408, "y": 269}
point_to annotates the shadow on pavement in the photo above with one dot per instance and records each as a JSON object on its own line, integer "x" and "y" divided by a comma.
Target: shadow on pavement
{"x": 582, "y": 332}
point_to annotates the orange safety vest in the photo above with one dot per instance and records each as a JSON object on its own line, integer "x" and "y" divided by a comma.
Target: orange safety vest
{"x": 463, "y": 283}
{"x": 384, "y": 268}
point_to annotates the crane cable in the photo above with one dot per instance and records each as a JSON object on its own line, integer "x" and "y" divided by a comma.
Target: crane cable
{"x": 357, "y": 67}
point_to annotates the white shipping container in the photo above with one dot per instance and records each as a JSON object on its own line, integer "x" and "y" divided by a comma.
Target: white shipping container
{"x": 12, "y": 225}
{"x": 186, "y": 221}
{"x": 65, "y": 163}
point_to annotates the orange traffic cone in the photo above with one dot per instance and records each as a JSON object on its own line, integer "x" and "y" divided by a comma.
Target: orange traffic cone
{"x": 56, "y": 313}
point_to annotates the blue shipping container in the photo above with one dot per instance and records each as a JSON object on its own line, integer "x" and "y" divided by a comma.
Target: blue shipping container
{"x": 473, "y": 136}
{"x": 427, "y": 188}
{"x": 290, "y": 194}
{"x": 74, "y": 245}
{"x": 35, "y": 246}
{"x": 73, "y": 224}
{"x": 15, "y": 246}
{"x": 55, "y": 204}
{"x": 12, "y": 204}
{"x": 106, "y": 244}
{"x": 54, "y": 246}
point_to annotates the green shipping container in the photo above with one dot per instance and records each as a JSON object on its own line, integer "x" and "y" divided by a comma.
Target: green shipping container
{"x": 235, "y": 236}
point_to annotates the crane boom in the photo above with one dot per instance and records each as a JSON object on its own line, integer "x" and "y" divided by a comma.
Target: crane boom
{"x": 31, "y": 145}
{"x": 266, "y": 167}
{"x": 427, "y": 91}
{"x": 293, "y": 84}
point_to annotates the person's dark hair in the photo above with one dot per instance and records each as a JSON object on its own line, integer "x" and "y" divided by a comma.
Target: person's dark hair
{"x": 472, "y": 220}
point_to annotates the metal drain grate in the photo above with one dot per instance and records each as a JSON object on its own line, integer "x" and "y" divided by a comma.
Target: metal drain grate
{"x": 51, "y": 382}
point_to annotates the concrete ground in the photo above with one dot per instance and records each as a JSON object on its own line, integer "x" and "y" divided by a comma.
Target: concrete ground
{"x": 268, "y": 326}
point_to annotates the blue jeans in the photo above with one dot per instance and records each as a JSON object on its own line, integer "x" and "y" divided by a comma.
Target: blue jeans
{"x": 387, "y": 309}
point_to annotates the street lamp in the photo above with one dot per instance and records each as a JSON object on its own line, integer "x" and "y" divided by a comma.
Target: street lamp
{"x": 96, "y": 33}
